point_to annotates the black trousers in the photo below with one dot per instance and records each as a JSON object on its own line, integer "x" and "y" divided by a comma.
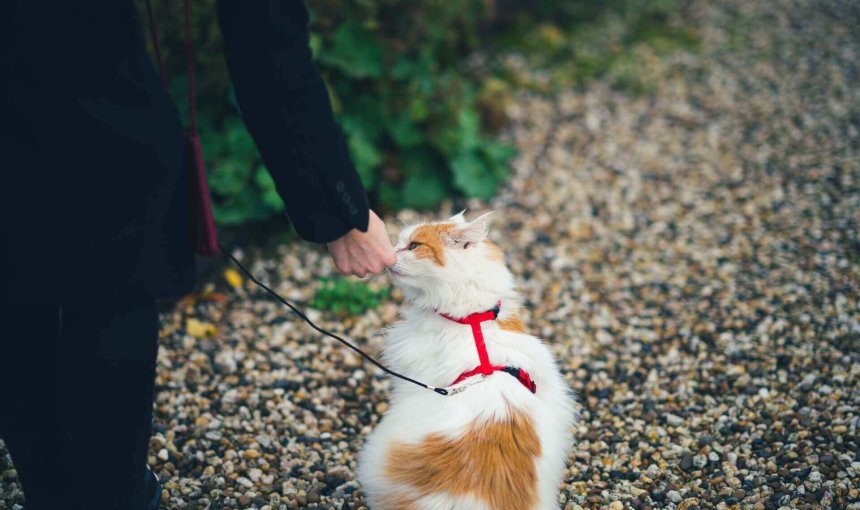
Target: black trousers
{"x": 76, "y": 405}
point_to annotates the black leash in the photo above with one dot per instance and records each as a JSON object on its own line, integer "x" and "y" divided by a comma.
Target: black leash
{"x": 441, "y": 391}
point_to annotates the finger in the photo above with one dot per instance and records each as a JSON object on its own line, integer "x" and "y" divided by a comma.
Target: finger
{"x": 389, "y": 258}
{"x": 361, "y": 276}
{"x": 383, "y": 253}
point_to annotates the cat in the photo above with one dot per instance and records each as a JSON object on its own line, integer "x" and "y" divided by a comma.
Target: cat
{"x": 499, "y": 442}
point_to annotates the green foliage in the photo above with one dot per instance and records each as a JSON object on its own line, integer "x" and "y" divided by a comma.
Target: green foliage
{"x": 347, "y": 297}
{"x": 419, "y": 122}
{"x": 405, "y": 101}
{"x": 242, "y": 187}
{"x": 615, "y": 40}
{"x": 398, "y": 86}
{"x": 354, "y": 51}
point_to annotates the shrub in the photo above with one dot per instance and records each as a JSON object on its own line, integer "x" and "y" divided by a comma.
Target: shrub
{"x": 395, "y": 72}
{"x": 574, "y": 42}
{"x": 418, "y": 119}
{"x": 346, "y": 297}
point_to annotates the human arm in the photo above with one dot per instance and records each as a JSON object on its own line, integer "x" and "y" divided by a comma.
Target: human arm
{"x": 286, "y": 108}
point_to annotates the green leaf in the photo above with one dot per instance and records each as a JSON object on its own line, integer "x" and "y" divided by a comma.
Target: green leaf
{"x": 472, "y": 176}
{"x": 228, "y": 214}
{"x": 418, "y": 108}
{"x": 403, "y": 68}
{"x": 234, "y": 211}
{"x": 423, "y": 190}
{"x": 268, "y": 191}
{"x": 240, "y": 145}
{"x": 499, "y": 153}
{"x": 354, "y": 51}
{"x": 363, "y": 114}
{"x": 389, "y": 195}
{"x": 315, "y": 42}
{"x": 404, "y": 131}
{"x": 470, "y": 124}
{"x": 363, "y": 151}
{"x": 334, "y": 99}
{"x": 229, "y": 177}
{"x": 426, "y": 182}
{"x": 341, "y": 295}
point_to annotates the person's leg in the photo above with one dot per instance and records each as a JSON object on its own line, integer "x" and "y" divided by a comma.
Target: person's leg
{"x": 108, "y": 374}
{"x": 31, "y": 416}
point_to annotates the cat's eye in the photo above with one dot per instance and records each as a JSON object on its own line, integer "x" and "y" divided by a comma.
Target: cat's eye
{"x": 413, "y": 245}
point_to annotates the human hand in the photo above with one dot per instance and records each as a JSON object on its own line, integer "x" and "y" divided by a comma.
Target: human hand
{"x": 359, "y": 253}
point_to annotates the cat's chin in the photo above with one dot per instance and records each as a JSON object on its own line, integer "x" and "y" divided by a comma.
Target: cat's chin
{"x": 398, "y": 278}
{"x": 399, "y": 275}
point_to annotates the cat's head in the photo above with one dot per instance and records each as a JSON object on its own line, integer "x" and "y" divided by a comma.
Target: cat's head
{"x": 450, "y": 265}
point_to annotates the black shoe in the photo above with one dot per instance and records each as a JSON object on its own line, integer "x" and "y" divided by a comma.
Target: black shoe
{"x": 153, "y": 489}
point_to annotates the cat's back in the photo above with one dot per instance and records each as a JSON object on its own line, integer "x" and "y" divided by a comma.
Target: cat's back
{"x": 460, "y": 452}
{"x": 494, "y": 446}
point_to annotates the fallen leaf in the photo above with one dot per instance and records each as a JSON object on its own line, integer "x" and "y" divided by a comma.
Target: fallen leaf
{"x": 233, "y": 278}
{"x": 218, "y": 297}
{"x": 199, "y": 329}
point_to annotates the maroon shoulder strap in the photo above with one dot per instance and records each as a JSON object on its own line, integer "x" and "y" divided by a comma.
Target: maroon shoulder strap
{"x": 203, "y": 231}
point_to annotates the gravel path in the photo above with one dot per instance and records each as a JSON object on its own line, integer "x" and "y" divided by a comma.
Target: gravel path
{"x": 692, "y": 257}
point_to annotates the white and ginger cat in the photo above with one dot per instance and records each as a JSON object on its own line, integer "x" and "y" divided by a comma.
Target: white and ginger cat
{"x": 495, "y": 445}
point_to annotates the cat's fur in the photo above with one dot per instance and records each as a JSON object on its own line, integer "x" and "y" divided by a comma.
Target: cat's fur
{"x": 495, "y": 446}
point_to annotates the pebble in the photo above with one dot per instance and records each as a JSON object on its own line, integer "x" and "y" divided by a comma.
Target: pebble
{"x": 686, "y": 462}
{"x": 807, "y": 382}
{"x": 264, "y": 440}
{"x": 674, "y": 420}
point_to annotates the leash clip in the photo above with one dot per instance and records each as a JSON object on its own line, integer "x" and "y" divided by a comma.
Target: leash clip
{"x": 463, "y": 387}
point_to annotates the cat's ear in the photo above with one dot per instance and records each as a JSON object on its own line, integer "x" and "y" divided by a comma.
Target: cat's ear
{"x": 458, "y": 218}
{"x": 472, "y": 233}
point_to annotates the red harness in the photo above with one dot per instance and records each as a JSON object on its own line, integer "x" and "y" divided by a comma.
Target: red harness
{"x": 486, "y": 368}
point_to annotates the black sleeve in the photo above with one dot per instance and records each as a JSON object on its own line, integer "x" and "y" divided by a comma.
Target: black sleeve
{"x": 286, "y": 107}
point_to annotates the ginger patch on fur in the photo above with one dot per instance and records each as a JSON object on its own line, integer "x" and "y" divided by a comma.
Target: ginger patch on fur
{"x": 494, "y": 253}
{"x": 431, "y": 242}
{"x": 398, "y": 501}
{"x": 493, "y": 461}
{"x": 512, "y": 323}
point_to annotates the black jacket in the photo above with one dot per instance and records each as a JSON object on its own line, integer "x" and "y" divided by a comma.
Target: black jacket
{"x": 95, "y": 168}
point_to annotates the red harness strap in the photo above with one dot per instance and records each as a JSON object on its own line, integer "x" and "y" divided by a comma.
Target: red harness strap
{"x": 486, "y": 368}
